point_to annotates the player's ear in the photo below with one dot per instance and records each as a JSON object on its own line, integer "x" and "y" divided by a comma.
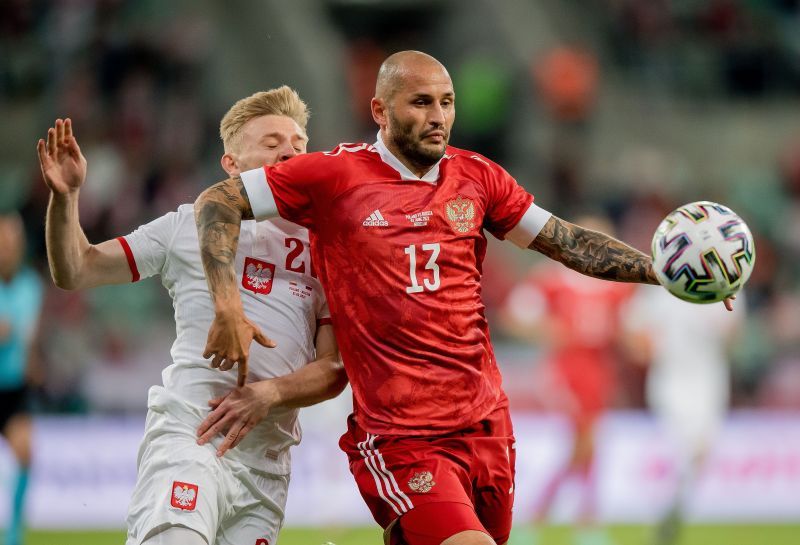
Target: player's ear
{"x": 378, "y": 107}
{"x": 228, "y": 162}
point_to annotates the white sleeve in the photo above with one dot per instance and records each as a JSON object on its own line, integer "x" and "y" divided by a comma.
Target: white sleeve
{"x": 529, "y": 226}
{"x": 324, "y": 313}
{"x": 259, "y": 193}
{"x": 147, "y": 247}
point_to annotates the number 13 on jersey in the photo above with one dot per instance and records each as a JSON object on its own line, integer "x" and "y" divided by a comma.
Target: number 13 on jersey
{"x": 431, "y": 280}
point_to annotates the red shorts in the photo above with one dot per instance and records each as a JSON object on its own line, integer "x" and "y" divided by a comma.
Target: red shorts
{"x": 468, "y": 474}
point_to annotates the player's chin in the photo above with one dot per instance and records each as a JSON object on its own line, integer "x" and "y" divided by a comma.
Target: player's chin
{"x": 433, "y": 150}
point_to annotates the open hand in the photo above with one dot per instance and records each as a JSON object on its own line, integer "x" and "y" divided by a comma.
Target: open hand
{"x": 229, "y": 341}
{"x": 63, "y": 165}
{"x": 236, "y": 414}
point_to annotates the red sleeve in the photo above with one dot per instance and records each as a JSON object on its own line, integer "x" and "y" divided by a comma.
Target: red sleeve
{"x": 507, "y": 201}
{"x": 303, "y": 186}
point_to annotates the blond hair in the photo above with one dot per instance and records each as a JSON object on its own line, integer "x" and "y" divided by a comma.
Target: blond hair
{"x": 281, "y": 101}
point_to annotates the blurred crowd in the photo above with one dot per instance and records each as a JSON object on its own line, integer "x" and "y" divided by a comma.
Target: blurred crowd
{"x": 132, "y": 76}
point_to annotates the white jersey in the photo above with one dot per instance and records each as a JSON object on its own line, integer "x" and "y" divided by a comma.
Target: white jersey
{"x": 688, "y": 383}
{"x": 279, "y": 293}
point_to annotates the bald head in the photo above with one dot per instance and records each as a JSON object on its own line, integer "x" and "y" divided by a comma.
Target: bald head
{"x": 405, "y": 67}
{"x": 414, "y": 106}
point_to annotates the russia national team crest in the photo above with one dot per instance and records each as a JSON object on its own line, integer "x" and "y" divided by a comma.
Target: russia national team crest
{"x": 421, "y": 482}
{"x": 460, "y": 213}
{"x": 257, "y": 276}
{"x": 184, "y": 496}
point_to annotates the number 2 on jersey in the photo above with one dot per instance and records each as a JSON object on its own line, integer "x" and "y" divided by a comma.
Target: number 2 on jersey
{"x": 427, "y": 283}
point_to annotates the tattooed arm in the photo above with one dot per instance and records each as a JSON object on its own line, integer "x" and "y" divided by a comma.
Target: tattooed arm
{"x": 219, "y": 211}
{"x": 593, "y": 253}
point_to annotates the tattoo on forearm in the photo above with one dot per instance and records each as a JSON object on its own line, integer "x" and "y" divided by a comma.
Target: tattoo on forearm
{"x": 593, "y": 253}
{"x": 218, "y": 214}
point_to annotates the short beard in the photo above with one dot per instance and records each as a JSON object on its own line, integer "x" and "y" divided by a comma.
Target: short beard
{"x": 411, "y": 148}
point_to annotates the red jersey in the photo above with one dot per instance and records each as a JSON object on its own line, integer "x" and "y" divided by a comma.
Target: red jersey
{"x": 400, "y": 261}
{"x": 588, "y": 308}
{"x": 585, "y": 316}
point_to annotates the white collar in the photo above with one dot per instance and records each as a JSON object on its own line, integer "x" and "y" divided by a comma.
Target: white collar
{"x": 432, "y": 176}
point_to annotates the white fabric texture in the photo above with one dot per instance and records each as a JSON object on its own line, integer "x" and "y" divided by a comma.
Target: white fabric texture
{"x": 287, "y": 308}
{"x": 227, "y": 501}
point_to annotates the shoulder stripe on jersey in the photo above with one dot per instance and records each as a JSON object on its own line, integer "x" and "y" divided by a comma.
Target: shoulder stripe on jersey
{"x": 477, "y": 158}
{"x": 131, "y": 261}
{"x": 352, "y": 148}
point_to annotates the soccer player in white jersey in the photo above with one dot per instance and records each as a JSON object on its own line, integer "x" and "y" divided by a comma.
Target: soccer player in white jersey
{"x": 688, "y": 381}
{"x": 187, "y": 493}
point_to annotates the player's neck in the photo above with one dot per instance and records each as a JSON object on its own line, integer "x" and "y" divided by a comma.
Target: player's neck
{"x": 417, "y": 169}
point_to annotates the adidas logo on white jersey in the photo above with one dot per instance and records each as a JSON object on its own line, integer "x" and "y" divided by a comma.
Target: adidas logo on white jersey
{"x": 375, "y": 220}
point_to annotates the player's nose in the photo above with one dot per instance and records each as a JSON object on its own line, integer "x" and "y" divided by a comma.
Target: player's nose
{"x": 436, "y": 116}
{"x": 287, "y": 153}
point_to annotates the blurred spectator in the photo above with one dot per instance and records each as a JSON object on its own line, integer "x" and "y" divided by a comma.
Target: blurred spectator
{"x": 364, "y": 60}
{"x": 566, "y": 79}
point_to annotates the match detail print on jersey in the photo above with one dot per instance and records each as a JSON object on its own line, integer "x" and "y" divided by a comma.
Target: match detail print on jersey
{"x": 184, "y": 496}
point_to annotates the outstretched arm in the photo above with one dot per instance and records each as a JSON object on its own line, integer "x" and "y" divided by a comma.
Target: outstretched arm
{"x": 74, "y": 262}
{"x": 593, "y": 253}
{"x": 596, "y": 254}
{"x": 219, "y": 211}
{"x": 238, "y": 412}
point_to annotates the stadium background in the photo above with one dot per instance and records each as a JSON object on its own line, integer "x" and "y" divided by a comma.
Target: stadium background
{"x": 630, "y": 106}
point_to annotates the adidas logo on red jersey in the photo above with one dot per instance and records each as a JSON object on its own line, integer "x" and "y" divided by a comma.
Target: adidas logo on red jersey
{"x": 375, "y": 220}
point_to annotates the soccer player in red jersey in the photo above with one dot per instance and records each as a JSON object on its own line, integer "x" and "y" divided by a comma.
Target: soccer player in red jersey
{"x": 398, "y": 238}
{"x": 577, "y": 322}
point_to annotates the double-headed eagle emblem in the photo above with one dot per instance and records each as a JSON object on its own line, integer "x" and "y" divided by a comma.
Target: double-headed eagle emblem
{"x": 460, "y": 213}
{"x": 422, "y": 482}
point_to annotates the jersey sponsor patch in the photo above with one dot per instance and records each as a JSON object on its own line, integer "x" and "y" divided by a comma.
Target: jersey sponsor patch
{"x": 460, "y": 213}
{"x": 262, "y": 541}
{"x": 257, "y": 276}
{"x": 184, "y": 496}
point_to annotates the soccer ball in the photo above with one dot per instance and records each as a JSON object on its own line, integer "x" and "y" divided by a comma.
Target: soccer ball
{"x": 703, "y": 252}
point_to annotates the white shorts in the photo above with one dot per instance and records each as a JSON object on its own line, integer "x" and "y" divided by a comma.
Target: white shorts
{"x": 180, "y": 483}
{"x": 691, "y": 408}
